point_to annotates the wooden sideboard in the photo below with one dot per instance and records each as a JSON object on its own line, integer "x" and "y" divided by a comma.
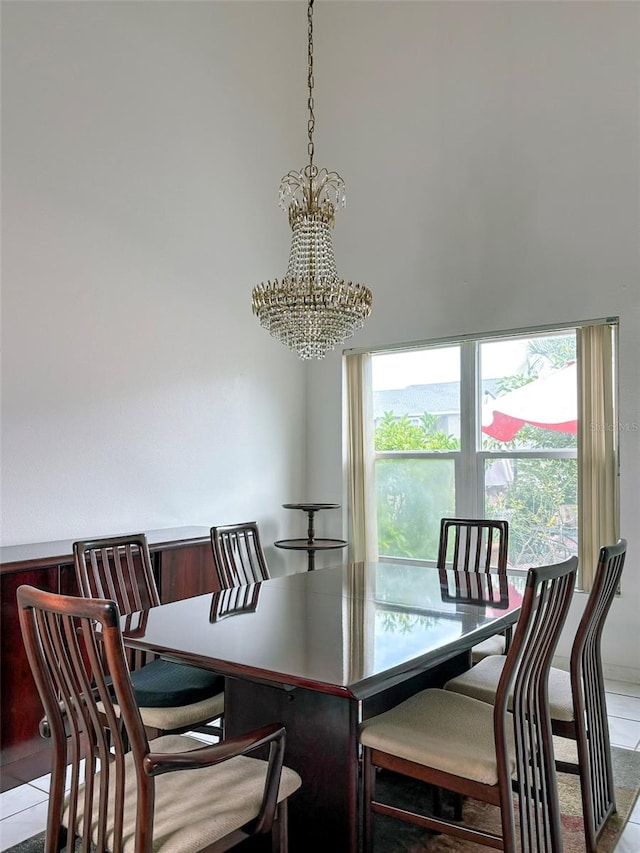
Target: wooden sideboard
{"x": 183, "y": 567}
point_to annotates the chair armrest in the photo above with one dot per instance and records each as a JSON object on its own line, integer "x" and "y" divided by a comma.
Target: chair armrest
{"x": 207, "y": 756}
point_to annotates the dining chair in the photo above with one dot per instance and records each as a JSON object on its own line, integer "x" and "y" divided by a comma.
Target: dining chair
{"x": 237, "y": 554}
{"x": 172, "y": 697}
{"x": 169, "y": 795}
{"x": 577, "y": 700}
{"x": 476, "y": 546}
{"x": 478, "y": 750}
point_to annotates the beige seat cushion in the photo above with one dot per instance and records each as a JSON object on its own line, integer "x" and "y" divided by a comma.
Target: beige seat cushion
{"x": 493, "y": 646}
{"x": 446, "y": 731}
{"x": 195, "y": 807}
{"x": 560, "y": 701}
{"x": 181, "y": 716}
{"x": 481, "y": 682}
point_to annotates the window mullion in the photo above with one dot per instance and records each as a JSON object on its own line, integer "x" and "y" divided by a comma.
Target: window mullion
{"x": 467, "y": 487}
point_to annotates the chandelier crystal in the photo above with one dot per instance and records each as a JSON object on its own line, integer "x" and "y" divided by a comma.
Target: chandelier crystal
{"x": 311, "y": 310}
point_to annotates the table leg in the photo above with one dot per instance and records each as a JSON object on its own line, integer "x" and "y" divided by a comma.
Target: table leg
{"x": 321, "y": 747}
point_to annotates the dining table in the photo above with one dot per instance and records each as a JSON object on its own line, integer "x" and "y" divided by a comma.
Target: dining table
{"x": 321, "y": 651}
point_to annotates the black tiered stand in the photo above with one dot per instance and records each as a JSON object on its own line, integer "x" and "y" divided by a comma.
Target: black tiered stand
{"x": 311, "y": 544}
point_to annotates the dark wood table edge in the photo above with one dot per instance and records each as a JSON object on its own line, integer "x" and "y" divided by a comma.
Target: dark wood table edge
{"x": 359, "y": 691}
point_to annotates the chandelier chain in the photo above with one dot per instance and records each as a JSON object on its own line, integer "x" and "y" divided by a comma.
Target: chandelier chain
{"x": 311, "y": 124}
{"x": 311, "y": 309}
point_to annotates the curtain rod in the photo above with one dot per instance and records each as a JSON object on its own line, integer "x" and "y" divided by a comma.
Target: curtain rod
{"x": 509, "y": 333}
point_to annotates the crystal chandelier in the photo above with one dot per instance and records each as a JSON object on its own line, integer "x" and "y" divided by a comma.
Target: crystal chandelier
{"x": 312, "y": 309}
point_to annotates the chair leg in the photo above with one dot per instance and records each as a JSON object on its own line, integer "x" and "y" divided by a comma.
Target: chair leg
{"x": 458, "y": 802}
{"x": 55, "y": 841}
{"x": 280, "y": 829}
{"x": 368, "y": 793}
{"x": 508, "y": 636}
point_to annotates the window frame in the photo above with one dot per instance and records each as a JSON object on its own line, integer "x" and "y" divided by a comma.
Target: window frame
{"x": 470, "y": 460}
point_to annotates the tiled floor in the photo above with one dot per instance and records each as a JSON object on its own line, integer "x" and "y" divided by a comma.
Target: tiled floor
{"x": 23, "y": 810}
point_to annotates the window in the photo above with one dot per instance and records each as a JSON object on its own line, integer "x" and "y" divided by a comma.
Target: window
{"x": 485, "y": 427}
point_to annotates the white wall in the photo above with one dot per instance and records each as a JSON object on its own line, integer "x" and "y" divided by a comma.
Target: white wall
{"x": 491, "y": 158}
{"x": 491, "y": 153}
{"x": 143, "y": 144}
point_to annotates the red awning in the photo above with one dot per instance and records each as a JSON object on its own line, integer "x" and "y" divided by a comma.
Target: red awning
{"x": 550, "y": 402}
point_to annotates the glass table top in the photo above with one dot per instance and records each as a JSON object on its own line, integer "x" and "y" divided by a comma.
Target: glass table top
{"x": 347, "y": 629}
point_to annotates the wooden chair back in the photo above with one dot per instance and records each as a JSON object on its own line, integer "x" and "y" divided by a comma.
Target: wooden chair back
{"x": 586, "y": 659}
{"x": 73, "y": 646}
{"x": 473, "y": 545}
{"x": 117, "y": 568}
{"x": 237, "y": 554}
{"x": 590, "y": 727}
{"x": 523, "y": 689}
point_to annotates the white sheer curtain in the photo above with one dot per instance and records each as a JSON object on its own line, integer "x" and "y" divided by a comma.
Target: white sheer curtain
{"x": 363, "y": 533}
{"x": 597, "y": 447}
